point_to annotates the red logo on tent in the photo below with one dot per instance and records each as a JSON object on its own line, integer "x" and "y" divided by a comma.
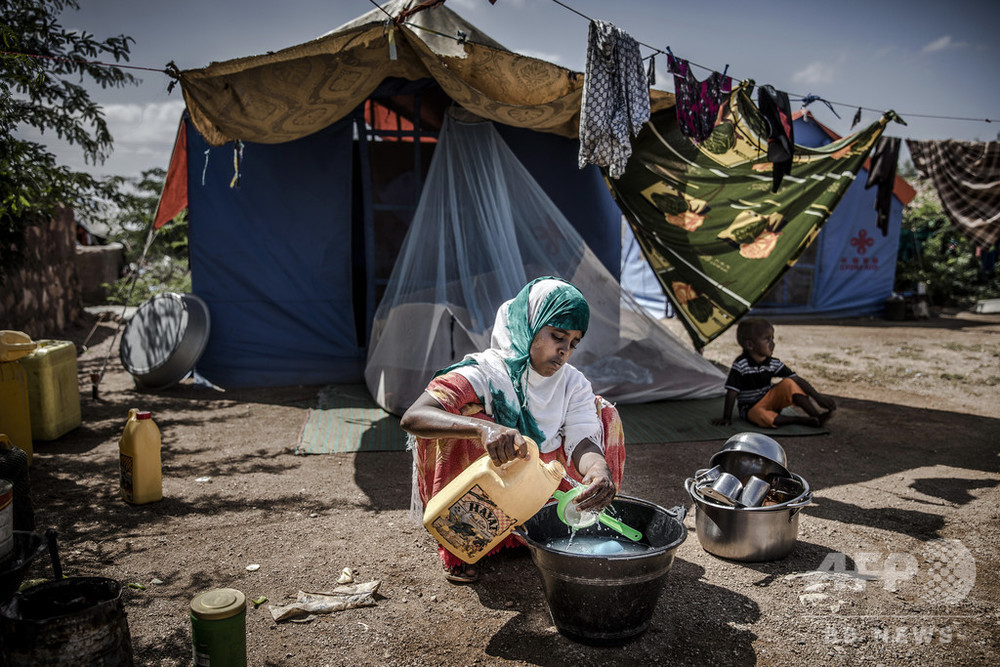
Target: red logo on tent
{"x": 862, "y": 242}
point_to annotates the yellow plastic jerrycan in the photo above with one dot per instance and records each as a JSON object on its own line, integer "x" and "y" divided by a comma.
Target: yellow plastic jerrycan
{"x": 15, "y": 411}
{"x": 139, "y": 450}
{"x": 478, "y": 509}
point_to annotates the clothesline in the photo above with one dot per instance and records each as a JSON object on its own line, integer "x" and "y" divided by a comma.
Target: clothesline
{"x": 463, "y": 38}
{"x": 799, "y": 96}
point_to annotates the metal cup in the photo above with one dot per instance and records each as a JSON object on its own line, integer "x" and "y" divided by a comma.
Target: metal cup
{"x": 754, "y": 492}
{"x": 706, "y": 476}
{"x": 725, "y": 489}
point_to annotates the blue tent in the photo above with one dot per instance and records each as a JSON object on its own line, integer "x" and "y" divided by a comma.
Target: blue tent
{"x": 849, "y": 270}
{"x": 307, "y": 165}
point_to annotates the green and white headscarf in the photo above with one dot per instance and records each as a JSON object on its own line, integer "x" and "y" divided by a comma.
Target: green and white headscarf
{"x": 547, "y": 409}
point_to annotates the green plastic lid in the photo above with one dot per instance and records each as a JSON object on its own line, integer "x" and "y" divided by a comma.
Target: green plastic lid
{"x": 218, "y": 604}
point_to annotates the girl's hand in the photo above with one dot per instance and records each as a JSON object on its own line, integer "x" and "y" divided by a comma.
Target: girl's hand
{"x": 503, "y": 444}
{"x": 600, "y": 489}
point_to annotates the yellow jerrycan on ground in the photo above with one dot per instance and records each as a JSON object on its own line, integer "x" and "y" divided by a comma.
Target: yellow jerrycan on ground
{"x": 139, "y": 457}
{"x": 478, "y": 509}
{"x": 15, "y": 411}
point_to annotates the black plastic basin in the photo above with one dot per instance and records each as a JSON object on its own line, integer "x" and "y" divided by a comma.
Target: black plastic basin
{"x": 605, "y": 599}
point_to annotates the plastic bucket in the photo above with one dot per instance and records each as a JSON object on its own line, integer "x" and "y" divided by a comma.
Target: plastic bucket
{"x": 605, "y": 599}
{"x": 74, "y": 621}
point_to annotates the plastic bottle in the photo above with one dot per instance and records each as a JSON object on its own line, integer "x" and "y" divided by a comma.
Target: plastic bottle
{"x": 478, "y": 509}
{"x": 139, "y": 450}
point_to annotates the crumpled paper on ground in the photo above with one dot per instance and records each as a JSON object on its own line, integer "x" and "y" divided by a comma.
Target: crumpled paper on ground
{"x": 340, "y": 598}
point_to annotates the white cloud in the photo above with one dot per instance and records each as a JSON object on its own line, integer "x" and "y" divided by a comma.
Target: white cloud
{"x": 136, "y": 124}
{"x": 816, "y": 72}
{"x": 942, "y": 43}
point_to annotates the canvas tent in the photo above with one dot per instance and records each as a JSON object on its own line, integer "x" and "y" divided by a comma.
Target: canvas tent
{"x": 305, "y": 166}
{"x": 849, "y": 269}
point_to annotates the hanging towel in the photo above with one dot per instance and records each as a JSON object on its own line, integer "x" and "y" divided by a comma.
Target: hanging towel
{"x": 777, "y": 113}
{"x": 698, "y": 102}
{"x": 615, "y": 98}
{"x": 882, "y": 172}
{"x": 966, "y": 175}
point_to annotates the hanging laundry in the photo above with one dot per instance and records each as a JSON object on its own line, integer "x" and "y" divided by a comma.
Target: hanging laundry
{"x": 966, "y": 175}
{"x": 698, "y": 102}
{"x": 777, "y": 113}
{"x": 615, "y": 98}
{"x": 882, "y": 172}
{"x": 713, "y": 236}
{"x": 857, "y": 118}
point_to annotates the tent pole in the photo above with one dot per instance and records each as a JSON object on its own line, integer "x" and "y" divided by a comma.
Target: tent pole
{"x": 369, "y": 222}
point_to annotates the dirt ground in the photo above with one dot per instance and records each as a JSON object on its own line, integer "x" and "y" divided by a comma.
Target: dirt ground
{"x": 905, "y": 491}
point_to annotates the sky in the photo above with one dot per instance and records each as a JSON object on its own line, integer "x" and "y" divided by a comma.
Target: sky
{"x": 917, "y": 57}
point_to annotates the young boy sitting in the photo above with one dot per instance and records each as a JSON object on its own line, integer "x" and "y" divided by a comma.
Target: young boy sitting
{"x": 749, "y": 383}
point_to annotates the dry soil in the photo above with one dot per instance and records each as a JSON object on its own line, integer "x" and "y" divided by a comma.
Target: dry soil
{"x": 905, "y": 491}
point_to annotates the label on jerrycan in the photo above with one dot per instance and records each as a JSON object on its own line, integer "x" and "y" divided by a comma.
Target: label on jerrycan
{"x": 472, "y": 522}
{"x": 126, "y": 465}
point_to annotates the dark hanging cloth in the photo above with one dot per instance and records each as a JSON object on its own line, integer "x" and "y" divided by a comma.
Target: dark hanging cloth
{"x": 882, "y": 172}
{"x": 777, "y": 113}
{"x": 698, "y": 102}
{"x": 966, "y": 176}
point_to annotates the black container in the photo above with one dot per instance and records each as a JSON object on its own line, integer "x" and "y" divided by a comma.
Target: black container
{"x": 605, "y": 599}
{"x": 27, "y": 547}
{"x": 70, "y": 622}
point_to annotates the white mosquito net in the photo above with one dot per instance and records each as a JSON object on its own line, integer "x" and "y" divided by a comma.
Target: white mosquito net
{"x": 484, "y": 228}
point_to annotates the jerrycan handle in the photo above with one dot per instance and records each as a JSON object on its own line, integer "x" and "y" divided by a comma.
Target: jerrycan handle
{"x": 531, "y": 448}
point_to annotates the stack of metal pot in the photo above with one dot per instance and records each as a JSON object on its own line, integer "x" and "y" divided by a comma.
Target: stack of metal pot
{"x": 747, "y": 503}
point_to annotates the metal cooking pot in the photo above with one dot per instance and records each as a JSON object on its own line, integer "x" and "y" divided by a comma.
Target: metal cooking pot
{"x": 748, "y": 533}
{"x": 751, "y": 454}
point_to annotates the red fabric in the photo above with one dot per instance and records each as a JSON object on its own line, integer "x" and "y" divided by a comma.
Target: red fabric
{"x": 440, "y": 461}
{"x": 174, "y": 197}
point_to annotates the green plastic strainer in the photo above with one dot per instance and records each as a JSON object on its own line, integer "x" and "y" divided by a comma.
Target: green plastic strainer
{"x": 568, "y": 513}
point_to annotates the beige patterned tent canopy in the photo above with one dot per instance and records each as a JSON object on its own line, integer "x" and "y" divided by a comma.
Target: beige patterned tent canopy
{"x": 294, "y": 92}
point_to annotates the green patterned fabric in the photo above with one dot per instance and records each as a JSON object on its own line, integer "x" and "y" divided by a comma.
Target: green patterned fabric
{"x": 704, "y": 215}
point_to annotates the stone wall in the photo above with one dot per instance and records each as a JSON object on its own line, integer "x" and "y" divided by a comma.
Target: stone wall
{"x": 43, "y": 298}
{"x": 95, "y": 266}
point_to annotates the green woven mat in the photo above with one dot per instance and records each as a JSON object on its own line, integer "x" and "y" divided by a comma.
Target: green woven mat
{"x": 690, "y": 421}
{"x": 346, "y": 419}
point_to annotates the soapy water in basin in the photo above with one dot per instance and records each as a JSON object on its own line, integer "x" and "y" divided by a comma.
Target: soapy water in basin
{"x": 587, "y": 545}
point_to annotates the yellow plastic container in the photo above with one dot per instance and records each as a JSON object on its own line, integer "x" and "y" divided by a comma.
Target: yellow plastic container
{"x": 15, "y": 417}
{"x": 53, "y": 389}
{"x": 478, "y": 509}
{"x": 14, "y": 345}
{"x": 139, "y": 456}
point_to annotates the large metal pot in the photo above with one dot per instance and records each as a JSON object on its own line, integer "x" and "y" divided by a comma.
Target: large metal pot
{"x": 748, "y": 533}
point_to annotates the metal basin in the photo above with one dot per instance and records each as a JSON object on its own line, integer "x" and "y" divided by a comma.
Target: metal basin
{"x": 748, "y": 533}
{"x": 164, "y": 339}
{"x": 751, "y": 454}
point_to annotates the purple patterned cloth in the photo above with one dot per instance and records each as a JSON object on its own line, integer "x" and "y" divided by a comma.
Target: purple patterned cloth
{"x": 698, "y": 102}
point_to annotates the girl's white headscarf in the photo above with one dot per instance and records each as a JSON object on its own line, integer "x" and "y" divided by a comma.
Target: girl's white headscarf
{"x": 547, "y": 409}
